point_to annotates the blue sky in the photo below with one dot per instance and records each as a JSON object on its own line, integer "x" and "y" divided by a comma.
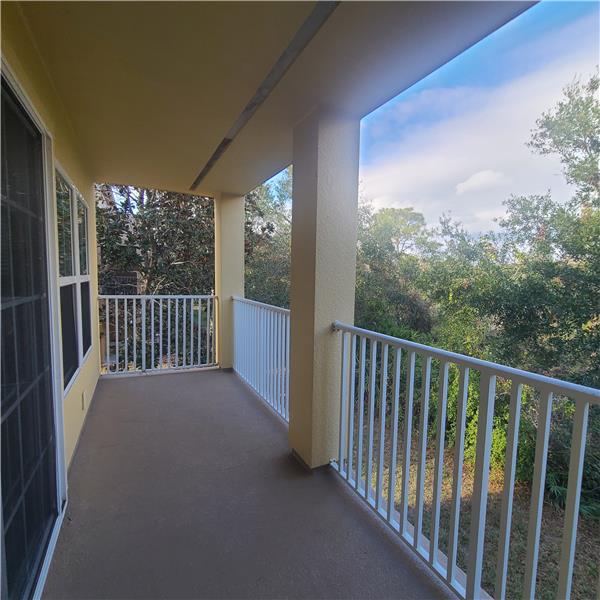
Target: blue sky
{"x": 455, "y": 142}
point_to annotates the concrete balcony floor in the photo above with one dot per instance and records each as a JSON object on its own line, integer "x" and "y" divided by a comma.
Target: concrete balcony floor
{"x": 183, "y": 486}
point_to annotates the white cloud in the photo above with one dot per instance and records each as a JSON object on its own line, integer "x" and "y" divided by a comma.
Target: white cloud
{"x": 482, "y": 180}
{"x": 482, "y": 145}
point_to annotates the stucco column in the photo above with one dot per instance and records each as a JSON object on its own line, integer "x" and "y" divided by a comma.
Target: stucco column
{"x": 324, "y": 230}
{"x": 229, "y": 268}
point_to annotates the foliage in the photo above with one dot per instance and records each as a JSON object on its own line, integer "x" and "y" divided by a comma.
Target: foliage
{"x": 571, "y": 131}
{"x": 167, "y": 237}
{"x": 527, "y": 295}
{"x": 268, "y": 242}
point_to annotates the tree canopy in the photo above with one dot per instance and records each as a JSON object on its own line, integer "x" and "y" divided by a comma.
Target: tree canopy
{"x": 526, "y": 295}
{"x": 166, "y": 237}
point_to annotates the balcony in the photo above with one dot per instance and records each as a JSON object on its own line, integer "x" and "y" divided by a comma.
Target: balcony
{"x": 185, "y": 479}
{"x": 195, "y": 467}
{"x": 183, "y": 486}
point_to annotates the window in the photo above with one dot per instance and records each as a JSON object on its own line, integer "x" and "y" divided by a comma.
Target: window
{"x": 73, "y": 259}
{"x": 27, "y": 437}
{"x": 65, "y": 227}
{"x": 82, "y": 232}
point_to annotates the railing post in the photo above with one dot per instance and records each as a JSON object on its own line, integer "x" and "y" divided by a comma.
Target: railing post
{"x": 342, "y": 465}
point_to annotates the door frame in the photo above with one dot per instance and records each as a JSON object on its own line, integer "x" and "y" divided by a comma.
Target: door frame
{"x": 54, "y": 320}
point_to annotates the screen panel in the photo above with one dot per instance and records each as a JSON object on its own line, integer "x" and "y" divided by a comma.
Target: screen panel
{"x": 29, "y": 495}
{"x": 68, "y": 320}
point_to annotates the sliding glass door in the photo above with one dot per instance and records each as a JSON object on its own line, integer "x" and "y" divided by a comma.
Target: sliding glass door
{"x": 29, "y": 496}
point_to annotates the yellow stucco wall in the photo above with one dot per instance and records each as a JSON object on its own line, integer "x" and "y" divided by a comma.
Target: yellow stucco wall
{"x": 229, "y": 268}
{"x": 324, "y": 230}
{"x": 26, "y": 65}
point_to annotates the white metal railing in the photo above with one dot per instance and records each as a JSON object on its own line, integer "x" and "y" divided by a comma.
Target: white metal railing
{"x": 151, "y": 333}
{"x": 262, "y": 350}
{"x": 376, "y": 371}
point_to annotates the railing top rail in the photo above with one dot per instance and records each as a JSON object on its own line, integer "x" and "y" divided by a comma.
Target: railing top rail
{"x": 285, "y": 311}
{"x": 573, "y": 390}
{"x": 171, "y": 296}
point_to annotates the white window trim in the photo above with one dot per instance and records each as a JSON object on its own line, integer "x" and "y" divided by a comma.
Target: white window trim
{"x": 54, "y": 309}
{"x": 76, "y": 279}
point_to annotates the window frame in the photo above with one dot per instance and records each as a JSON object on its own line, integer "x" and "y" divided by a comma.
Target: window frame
{"x": 49, "y": 166}
{"x": 77, "y": 278}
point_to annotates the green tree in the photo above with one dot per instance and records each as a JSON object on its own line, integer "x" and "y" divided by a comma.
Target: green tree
{"x": 166, "y": 237}
{"x": 268, "y": 241}
{"x": 571, "y": 130}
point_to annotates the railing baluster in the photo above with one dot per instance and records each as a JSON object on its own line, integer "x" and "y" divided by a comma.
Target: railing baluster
{"x": 281, "y": 338}
{"x": 184, "y": 333}
{"x": 107, "y": 332}
{"x": 208, "y": 323}
{"x": 275, "y": 343}
{"x": 382, "y": 409}
{"x": 350, "y": 449}
{"x": 117, "y": 335}
{"x": 480, "y": 486}
{"x": 160, "y": 333}
{"x": 199, "y": 332}
{"x": 271, "y": 354}
{"x": 252, "y": 356}
{"x": 126, "y": 363}
{"x": 280, "y": 364}
{"x": 143, "y": 300}
{"x": 255, "y": 328}
{"x": 459, "y": 452}
{"x": 578, "y": 440}
{"x": 276, "y": 360}
{"x": 372, "y": 383}
{"x": 263, "y": 365}
{"x": 407, "y": 443}
{"x": 243, "y": 339}
{"x": 512, "y": 435}
{"x": 134, "y": 325}
{"x": 169, "y": 332}
{"x": 287, "y": 366}
{"x": 537, "y": 493}
{"x": 423, "y": 422}
{"x": 361, "y": 411}
{"x": 266, "y": 323}
{"x": 176, "y": 332}
{"x": 342, "y": 457}
{"x": 191, "y": 332}
{"x": 152, "y": 325}
{"x": 394, "y": 432}
{"x": 439, "y": 464}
